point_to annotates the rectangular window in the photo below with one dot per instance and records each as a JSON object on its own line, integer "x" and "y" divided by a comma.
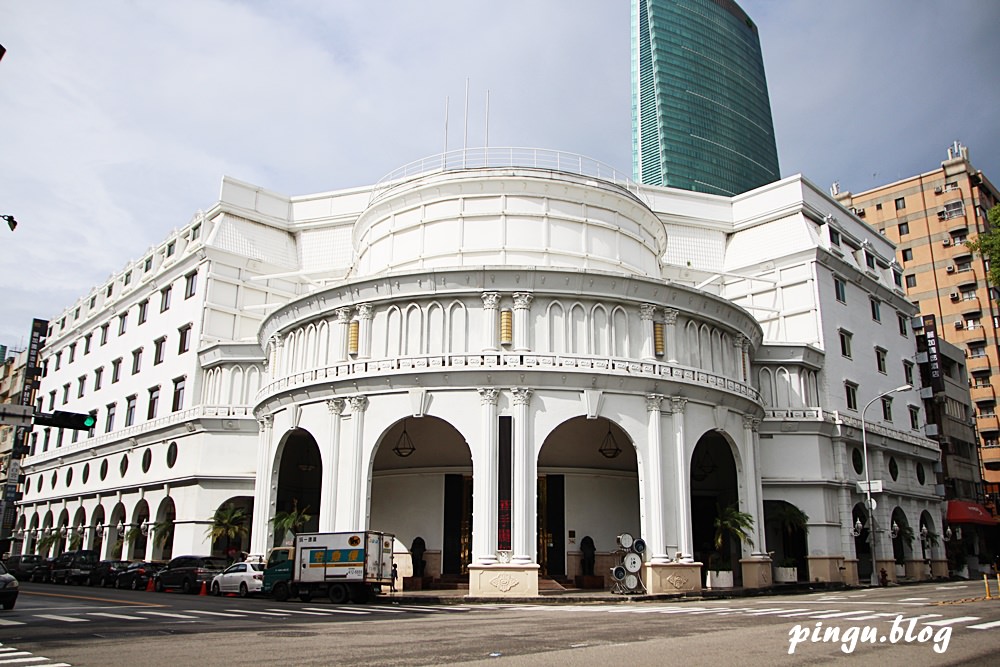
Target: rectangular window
{"x": 914, "y": 417}
{"x": 87, "y": 340}
{"x": 170, "y": 248}
{"x": 81, "y": 386}
{"x": 65, "y": 396}
{"x": 908, "y": 372}
{"x": 154, "y": 399}
{"x": 900, "y": 203}
{"x": 58, "y": 359}
{"x": 104, "y": 334}
{"x": 178, "y": 401}
{"x": 147, "y": 265}
{"x": 130, "y": 410}
{"x": 122, "y": 323}
{"x": 143, "y": 310}
{"x": 962, "y": 265}
{"x": 109, "y": 419}
{"x": 911, "y": 280}
{"x": 887, "y": 408}
{"x": 136, "y": 361}
{"x": 109, "y": 291}
{"x": 870, "y": 260}
{"x": 904, "y": 228}
{"x": 845, "y": 343}
{"x": 98, "y": 377}
{"x": 185, "y": 339}
{"x": 834, "y": 237}
{"x": 165, "y": 298}
{"x": 59, "y": 438}
{"x": 72, "y": 354}
{"x": 159, "y": 344}
{"x": 955, "y": 209}
{"x": 195, "y": 232}
{"x": 876, "y": 306}
{"x": 897, "y": 278}
{"x": 904, "y": 326}
{"x": 907, "y": 254}
{"x": 128, "y": 278}
{"x": 116, "y": 370}
{"x": 45, "y": 443}
{"x": 190, "y": 284}
{"x": 840, "y": 289}
{"x": 851, "y": 394}
{"x": 880, "y": 359}
{"x": 52, "y": 400}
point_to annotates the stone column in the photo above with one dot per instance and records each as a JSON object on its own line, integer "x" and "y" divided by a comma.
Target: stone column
{"x": 484, "y": 481}
{"x": 522, "y": 301}
{"x": 523, "y": 524}
{"x": 364, "y": 331}
{"x": 682, "y": 482}
{"x": 354, "y": 489}
{"x": 491, "y": 310}
{"x": 329, "y": 455}
{"x": 263, "y": 500}
{"x": 744, "y": 369}
{"x": 647, "y": 313}
{"x": 656, "y": 536}
{"x": 670, "y": 335}
{"x": 341, "y": 334}
{"x": 757, "y": 571}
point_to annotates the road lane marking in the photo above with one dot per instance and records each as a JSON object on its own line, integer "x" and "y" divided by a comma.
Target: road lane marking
{"x": 167, "y": 614}
{"x": 913, "y": 599}
{"x": 261, "y": 613}
{"x": 124, "y": 617}
{"x": 21, "y": 661}
{"x": 300, "y": 611}
{"x": 952, "y": 621}
{"x": 335, "y": 610}
{"x": 800, "y": 613}
{"x": 842, "y": 613}
{"x": 986, "y": 626}
{"x": 217, "y": 613}
{"x": 4, "y": 621}
{"x": 768, "y": 612}
{"x": 68, "y": 619}
{"x": 92, "y": 599}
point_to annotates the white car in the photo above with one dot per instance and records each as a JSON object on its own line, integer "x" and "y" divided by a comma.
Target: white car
{"x": 241, "y": 578}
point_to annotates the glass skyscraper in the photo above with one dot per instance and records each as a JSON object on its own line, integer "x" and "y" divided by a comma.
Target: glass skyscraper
{"x": 701, "y": 118}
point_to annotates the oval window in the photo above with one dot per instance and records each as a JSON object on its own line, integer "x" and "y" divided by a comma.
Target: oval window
{"x": 171, "y": 454}
{"x": 859, "y": 460}
{"x": 893, "y": 468}
{"x": 921, "y": 476}
{"x": 85, "y": 475}
{"x": 69, "y": 476}
{"x": 147, "y": 460}
{"x": 123, "y": 466}
{"x": 55, "y": 478}
{"x": 104, "y": 469}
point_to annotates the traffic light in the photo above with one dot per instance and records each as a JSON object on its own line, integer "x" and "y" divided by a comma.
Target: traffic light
{"x": 74, "y": 420}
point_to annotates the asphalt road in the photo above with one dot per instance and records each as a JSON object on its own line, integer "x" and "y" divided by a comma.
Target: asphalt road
{"x": 66, "y": 625}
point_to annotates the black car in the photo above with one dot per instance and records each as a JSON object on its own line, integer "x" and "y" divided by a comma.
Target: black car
{"x": 8, "y": 588}
{"x": 73, "y": 567}
{"x": 188, "y": 573}
{"x": 137, "y": 575}
{"x": 43, "y": 571}
{"x": 22, "y": 565}
{"x": 105, "y": 572}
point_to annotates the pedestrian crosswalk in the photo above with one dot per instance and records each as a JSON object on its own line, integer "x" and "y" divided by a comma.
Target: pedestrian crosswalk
{"x": 13, "y": 656}
{"x": 796, "y": 614}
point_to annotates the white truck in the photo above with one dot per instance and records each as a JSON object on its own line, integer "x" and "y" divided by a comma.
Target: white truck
{"x": 342, "y": 566}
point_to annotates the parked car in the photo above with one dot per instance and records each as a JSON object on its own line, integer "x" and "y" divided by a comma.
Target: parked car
{"x": 136, "y": 575}
{"x": 105, "y": 572}
{"x": 43, "y": 572}
{"x": 188, "y": 573}
{"x": 8, "y": 588}
{"x": 242, "y": 578}
{"x": 73, "y": 567}
{"x": 22, "y": 565}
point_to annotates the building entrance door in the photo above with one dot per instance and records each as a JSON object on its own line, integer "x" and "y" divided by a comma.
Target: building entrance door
{"x": 456, "y": 547}
{"x": 552, "y": 525}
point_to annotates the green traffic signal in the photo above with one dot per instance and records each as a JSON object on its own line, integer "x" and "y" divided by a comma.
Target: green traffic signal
{"x": 74, "y": 420}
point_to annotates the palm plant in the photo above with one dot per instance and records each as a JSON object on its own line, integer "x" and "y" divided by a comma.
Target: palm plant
{"x": 731, "y": 522}
{"x": 162, "y": 532}
{"x": 788, "y": 517}
{"x": 229, "y": 523}
{"x": 45, "y": 542}
{"x": 290, "y": 522}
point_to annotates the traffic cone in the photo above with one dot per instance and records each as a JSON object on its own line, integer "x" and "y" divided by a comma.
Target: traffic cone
{"x": 149, "y": 585}
{"x": 204, "y": 589}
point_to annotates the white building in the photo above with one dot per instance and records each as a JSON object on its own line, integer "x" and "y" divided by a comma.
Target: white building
{"x": 501, "y": 353}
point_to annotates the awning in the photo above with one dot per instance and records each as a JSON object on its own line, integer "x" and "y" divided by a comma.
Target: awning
{"x": 963, "y": 511}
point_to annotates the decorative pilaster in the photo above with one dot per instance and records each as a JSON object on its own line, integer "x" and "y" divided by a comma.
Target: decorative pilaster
{"x": 329, "y": 455}
{"x": 491, "y": 313}
{"x": 352, "y": 463}
{"x": 647, "y": 312}
{"x": 656, "y": 533}
{"x": 484, "y": 486}
{"x": 683, "y": 481}
{"x": 755, "y": 495}
{"x": 670, "y": 334}
{"x": 341, "y": 335}
{"x": 262, "y": 499}
{"x": 524, "y": 525}
{"x": 364, "y": 331}
{"x": 522, "y": 301}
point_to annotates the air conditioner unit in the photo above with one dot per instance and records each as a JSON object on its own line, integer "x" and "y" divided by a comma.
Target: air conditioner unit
{"x": 954, "y": 296}
{"x": 946, "y": 241}
{"x": 959, "y": 324}
{"x": 938, "y": 190}
{"x": 942, "y": 215}
{"x": 951, "y": 268}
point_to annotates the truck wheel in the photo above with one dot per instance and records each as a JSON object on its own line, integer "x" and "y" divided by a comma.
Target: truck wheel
{"x": 280, "y": 592}
{"x": 338, "y": 593}
{"x": 306, "y": 596}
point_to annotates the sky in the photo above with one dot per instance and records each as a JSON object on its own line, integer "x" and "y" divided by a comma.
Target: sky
{"x": 119, "y": 118}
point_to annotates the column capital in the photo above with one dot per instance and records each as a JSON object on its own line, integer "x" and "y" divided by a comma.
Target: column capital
{"x": 522, "y": 395}
{"x": 745, "y": 343}
{"x": 488, "y": 395}
{"x": 654, "y": 402}
{"x": 647, "y": 311}
{"x": 365, "y": 311}
{"x": 277, "y": 341}
{"x": 491, "y": 300}
{"x": 343, "y": 315}
{"x": 669, "y": 316}
{"x": 265, "y": 422}
{"x": 522, "y": 299}
{"x": 358, "y": 403}
{"x": 677, "y": 404}
{"x": 751, "y": 422}
{"x": 336, "y": 406}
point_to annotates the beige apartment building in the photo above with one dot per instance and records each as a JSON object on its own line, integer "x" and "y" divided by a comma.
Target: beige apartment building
{"x": 930, "y": 216}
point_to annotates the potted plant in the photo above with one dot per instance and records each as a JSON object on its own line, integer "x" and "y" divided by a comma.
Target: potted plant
{"x": 729, "y": 523}
{"x": 786, "y": 571}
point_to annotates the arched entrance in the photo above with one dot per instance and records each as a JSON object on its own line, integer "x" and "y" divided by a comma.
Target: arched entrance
{"x": 163, "y": 530}
{"x": 62, "y": 532}
{"x": 79, "y": 529}
{"x": 902, "y": 540}
{"x": 230, "y": 527}
{"x": 715, "y": 496}
{"x": 300, "y": 472}
{"x": 97, "y": 530}
{"x": 588, "y": 486}
{"x": 137, "y": 532}
{"x": 116, "y": 532}
{"x": 421, "y": 491}
{"x": 862, "y": 542}
{"x": 786, "y": 531}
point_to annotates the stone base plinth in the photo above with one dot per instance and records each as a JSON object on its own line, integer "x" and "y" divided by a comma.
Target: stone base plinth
{"x": 589, "y": 582}
{"x": 506, "y": 580}
{"x": 850, "y": 572}
{"x": 889, "y": 566}
{"x": 939, "y": 568}
{"x": 830, "y": 569}
{"x": 665, "y": 578}
{"x": 756, "y": 572}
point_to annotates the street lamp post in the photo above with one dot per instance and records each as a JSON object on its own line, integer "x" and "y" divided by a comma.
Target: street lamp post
{"x": 868, "y": 481}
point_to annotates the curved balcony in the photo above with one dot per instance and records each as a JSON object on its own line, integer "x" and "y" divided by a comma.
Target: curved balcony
{"x": 980, "y": 363}
{"x": 980, "y": 393}
{"x": 987, "y": 423}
